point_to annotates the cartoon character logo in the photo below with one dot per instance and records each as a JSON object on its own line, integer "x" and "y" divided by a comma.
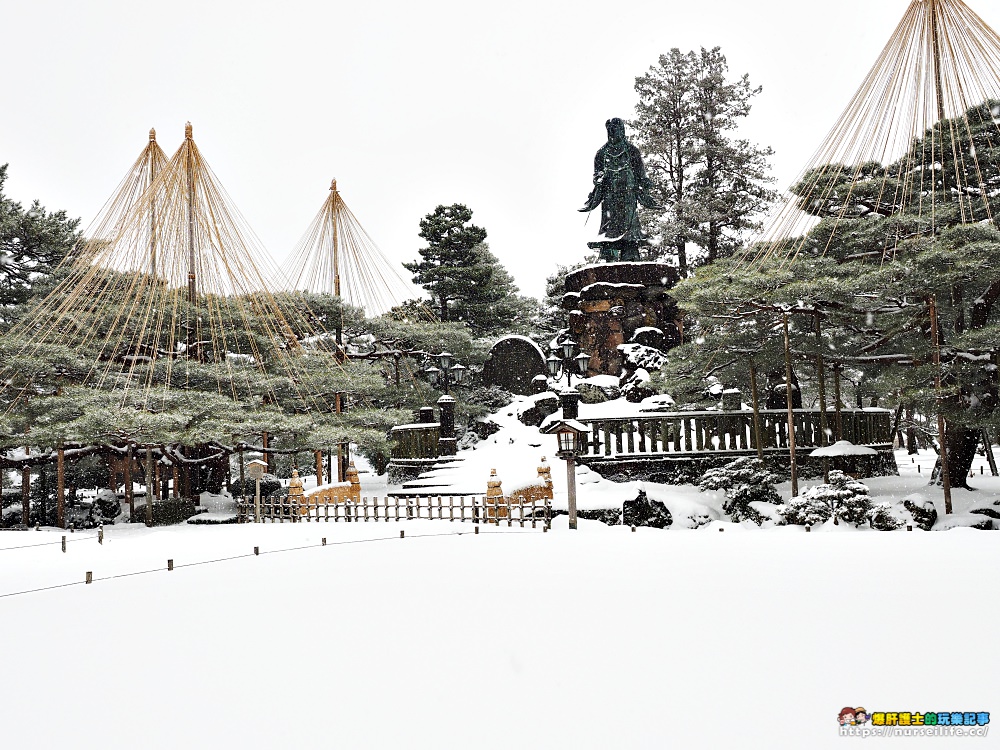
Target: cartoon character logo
{"x": 846, "y": 716}
{"x": 861, "y": 716}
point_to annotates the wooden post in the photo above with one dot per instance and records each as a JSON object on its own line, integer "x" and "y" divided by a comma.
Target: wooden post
{"x": 149, "y": 486}
{"x": 26, "y": 492}
{"x": 128, "y": 483}
{"x": 243, "y": 477}
{"x": 988, "y": 446}
{"x": 821, "y": 378}
{"x": 319, "y": 467}
{"x": 61, "y": 486}
{"x": 571, "y": 484}
{"x": 340, "y": 460}
{"x": 942, "y": 436}
{"x": 176, "y": 482}
{"x": 756, "y": 410}
{"x": 791, "y": 413}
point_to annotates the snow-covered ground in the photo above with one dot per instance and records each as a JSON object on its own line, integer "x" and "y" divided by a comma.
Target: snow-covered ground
{"x": 598, "y": 638}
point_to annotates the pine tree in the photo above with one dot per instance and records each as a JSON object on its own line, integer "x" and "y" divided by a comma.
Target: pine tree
{"x": 450, "y": 268}
{"x": 32, "y": 242}
{"x": 464, "y": 278}
{"x": 712, "y": 186}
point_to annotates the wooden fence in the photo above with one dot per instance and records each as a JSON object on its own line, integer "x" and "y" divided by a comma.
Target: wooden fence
{"x": 718, "y": 432}
{"x": 421, "y": 440}
{"x": 461, "y": 508}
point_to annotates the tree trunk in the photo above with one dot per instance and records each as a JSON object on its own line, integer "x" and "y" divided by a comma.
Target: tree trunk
{"x": 911, "y": 432}
{"x": 26, "y": 493}
{"x": 43, "y": 483}
{"x": 962, "y": 443}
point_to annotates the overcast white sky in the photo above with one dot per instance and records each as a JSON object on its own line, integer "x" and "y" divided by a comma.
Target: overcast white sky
{"x": 500, "y": 106}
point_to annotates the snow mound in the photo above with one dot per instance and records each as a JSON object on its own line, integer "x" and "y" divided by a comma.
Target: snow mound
{"x": 843, "y": 448}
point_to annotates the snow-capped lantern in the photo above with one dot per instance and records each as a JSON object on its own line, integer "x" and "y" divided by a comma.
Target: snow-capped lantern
{"x": 572, "y": 436}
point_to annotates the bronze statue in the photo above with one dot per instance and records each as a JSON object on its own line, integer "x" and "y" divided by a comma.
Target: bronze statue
{"x": 620, "y": 183}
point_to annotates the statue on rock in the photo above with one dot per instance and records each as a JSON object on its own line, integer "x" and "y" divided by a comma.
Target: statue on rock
{"x": 620, "y": 184}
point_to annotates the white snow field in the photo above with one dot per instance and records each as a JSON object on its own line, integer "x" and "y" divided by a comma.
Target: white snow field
{"x": 599, "y": 638}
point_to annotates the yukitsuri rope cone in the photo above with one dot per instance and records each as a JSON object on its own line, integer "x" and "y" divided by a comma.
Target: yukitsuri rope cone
{"x": 336, "y": 256}
{"x": 911, "y": 140}
{"x": 172, "y": 290}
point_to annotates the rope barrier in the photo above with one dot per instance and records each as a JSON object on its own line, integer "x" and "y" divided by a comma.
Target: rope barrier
{"x": 48, "y": 544}
{"x": 259, "y": 553}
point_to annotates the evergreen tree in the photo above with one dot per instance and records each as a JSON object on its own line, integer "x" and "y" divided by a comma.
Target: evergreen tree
{"x": 464, "y": 278}
{"x": 712, "y": 186}
{"x": 32, "y": 242}
{"x": 450, "y": 268}
{"x": 859, "y": 293}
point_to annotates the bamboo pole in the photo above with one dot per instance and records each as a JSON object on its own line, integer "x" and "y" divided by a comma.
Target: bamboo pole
{"x": 791, "y": 414}
{"x": 334, "y": 216}
{"x": 152, "y": 212}
{"x": 192, "y": 282}
{"x": 936, "y": 42}
{"x": 336, "y": 239}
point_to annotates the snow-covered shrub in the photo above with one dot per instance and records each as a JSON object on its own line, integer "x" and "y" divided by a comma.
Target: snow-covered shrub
{"x": 843, "y": 496}
{"x": 598, "y": 389}
{"x": 745, "y": 481}
{"x": 644, "y": 511}
{"x": 805, "y": 510}
{"x": 885, "y": 517}
{"x": 492, "y": 397}
{"x": 924, "y": 515}
{"x": 105, "y": 508}
{"x": 468, "y": 440}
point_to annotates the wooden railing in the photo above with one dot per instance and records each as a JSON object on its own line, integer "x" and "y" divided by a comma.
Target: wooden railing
{"x": 719, "y": 432}
{"x": 461, "y": 508}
